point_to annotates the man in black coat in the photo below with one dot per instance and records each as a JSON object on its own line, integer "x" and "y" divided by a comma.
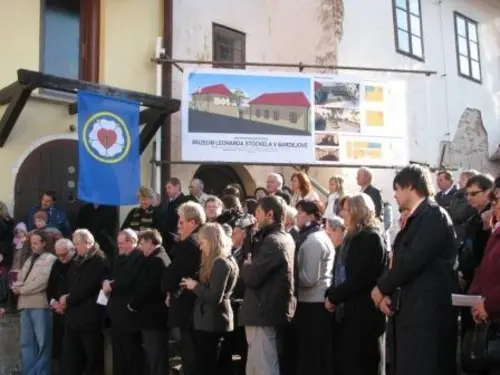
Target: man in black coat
{"x": 168, "y": 212}
{"x": 83, "y": 343}
{"x": 125, "y": 333}
{"x": 447, "y": 189}
{"x": 269, "y": 303}
{"x": 416, "y": 291}
{"x": 364, "y": 179}
{"x": 148, "y": 302}
{"x": 186, "y": 258}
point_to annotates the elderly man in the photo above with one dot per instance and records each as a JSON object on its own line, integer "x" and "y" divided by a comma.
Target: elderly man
{"x": 186, "y": 260}
{"x": 83, "y": 341}
{"x": 65, "y": 253}
{"x": 274, "y": 183}
{"x": 196, "y": 191}
{"x": 125, "y": 333}
{"x": 291, "y": 222}
{"x": 364, "y": 178}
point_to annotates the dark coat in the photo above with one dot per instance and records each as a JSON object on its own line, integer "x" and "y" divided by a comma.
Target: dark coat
{"x": 57, "y": 219}
{"x": 148, "y": 300}
{"x": 186, "y": 258}
{"x": 269, "y": 296}
{"x": 422, "y": 274}
{"x": 360, "y": 322}
{"x": 486, "y": 281}
{"x": 167, "y": 212}
{"x": 212, "y": 311}
{"x": 125, "y": 275}
{"x": 85, "y": 278}
{"x": 443, "y": 199}
{"x": 102, "y": 222}
{"x": 6, "y": 238}
{"x": 460, "y": 211}
{"x": 55, "y": 289}
{"x": 376, "y": 196}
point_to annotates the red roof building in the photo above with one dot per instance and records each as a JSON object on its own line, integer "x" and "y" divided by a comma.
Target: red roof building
{"x": 220, "y": 90}
{"x": 285, "y": 99}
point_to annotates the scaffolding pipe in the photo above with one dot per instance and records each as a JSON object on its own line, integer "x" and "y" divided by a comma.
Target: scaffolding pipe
{"x": 300, "y": 66}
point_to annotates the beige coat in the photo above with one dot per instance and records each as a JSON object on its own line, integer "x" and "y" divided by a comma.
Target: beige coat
{"x": 33, "y": 293}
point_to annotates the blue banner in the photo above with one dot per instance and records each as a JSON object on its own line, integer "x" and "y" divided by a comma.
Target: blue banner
{"x": 108, "y": 149}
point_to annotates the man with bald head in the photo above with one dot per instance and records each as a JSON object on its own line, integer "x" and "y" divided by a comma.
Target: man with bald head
{"x": 364, "y": 179}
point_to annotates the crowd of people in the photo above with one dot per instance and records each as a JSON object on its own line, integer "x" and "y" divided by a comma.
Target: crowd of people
{"x": 286, "y": 282}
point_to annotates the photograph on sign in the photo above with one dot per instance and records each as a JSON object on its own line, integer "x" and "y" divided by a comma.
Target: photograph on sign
{"x": 252, "y": 117}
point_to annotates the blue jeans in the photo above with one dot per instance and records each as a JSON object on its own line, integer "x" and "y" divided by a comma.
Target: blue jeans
{"x": 36, "y": 341}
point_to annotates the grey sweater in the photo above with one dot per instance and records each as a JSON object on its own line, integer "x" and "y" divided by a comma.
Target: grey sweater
{"x": 315, "y": 264}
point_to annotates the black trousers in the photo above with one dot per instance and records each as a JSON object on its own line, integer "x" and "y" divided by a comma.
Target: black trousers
{"x": 127, "y": 352}
{"x": 188, "y": 349}
{"x": 212, "y": 356}
{"x": 314, "y": 346}
{"x": 83, "y": 352}
{"x": 155, "y": 343}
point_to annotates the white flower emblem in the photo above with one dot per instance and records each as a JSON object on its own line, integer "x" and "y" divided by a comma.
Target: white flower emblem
{"x": 106, "y": 137}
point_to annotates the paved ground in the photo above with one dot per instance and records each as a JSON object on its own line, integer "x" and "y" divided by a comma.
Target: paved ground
{"x": 206, "y": 122}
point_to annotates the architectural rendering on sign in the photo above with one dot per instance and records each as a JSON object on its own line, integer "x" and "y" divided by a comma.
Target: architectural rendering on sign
{"x": 249, "y": 104}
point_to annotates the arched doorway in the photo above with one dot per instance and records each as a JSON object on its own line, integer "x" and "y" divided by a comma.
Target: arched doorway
{"x": 51, "y": 166}
{"x": 217, "y": 177}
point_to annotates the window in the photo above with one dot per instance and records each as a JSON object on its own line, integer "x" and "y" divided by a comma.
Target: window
{"x": 257, "y": 113}
{"x": 266, "y": 113}
{"x": 228, "y": 46}
{"x": 408, "y": 28}
{"x": 70, "y": 38}
{"x": 467, "y": 44}
{"x": 293, "y": 117}
{"x": 276, "y": 115}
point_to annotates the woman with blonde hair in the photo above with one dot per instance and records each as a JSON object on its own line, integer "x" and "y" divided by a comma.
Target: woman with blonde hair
{"x": 360, "y": 261}
{"x": 213, "y": 315}
{"x": 336, "y": 187}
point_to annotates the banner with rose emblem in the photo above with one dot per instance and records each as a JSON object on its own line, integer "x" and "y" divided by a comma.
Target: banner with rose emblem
{"x": 108, "y": 150}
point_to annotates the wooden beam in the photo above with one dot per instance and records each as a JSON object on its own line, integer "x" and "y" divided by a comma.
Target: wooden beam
{"x": 13, "y": 111}
{"x": 8, "y": 92}
{"x": 71, "y": 86}
{"x": 153, "y": 124}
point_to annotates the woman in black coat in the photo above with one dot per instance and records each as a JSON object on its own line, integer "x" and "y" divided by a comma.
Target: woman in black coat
{"x": 359, "y": 263}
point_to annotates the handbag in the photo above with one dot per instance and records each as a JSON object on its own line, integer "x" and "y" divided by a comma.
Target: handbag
{"x": 481, "y": 348}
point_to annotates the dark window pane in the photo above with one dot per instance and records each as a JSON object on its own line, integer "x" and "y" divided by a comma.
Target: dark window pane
{"x": 61, "y": 38}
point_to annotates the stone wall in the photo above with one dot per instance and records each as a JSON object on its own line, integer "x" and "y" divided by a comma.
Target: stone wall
{"x": 10, "y": 352}
{"x": 469, "y": 147}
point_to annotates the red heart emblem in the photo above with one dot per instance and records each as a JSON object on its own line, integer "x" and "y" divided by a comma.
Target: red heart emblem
{"x": 106, "y": 137}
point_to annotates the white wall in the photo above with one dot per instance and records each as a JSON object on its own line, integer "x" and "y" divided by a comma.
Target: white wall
{"x": 435, "y": 103}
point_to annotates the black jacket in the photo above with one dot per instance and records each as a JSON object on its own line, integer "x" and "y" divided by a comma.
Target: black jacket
{"x": 186, "y": 258}
{"x": 125, "y": 275}
{"x": 460, "y": 211}
{"x": 6, "y": 237}
{"x": 443, "y": 199}
{"x": 269, "y": 296}
{"x": 85, "y": 278}
{"x": 58, "y": 279}
{"x": 421, "y": 282}
{"x": 148, "y": 299}
{"x": 376, "y": 196}
{"x": 167, "y": 213}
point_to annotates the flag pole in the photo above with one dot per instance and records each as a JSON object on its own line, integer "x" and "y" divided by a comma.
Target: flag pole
{"x": 156, "y": 170}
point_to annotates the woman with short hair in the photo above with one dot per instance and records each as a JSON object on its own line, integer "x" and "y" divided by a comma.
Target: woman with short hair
{"x": 360, "y": 261}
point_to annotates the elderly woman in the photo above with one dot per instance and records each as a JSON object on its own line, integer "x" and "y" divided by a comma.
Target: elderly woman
{"x": 360, "y": 262}
{"x": 65, "y": 253}
{"x": 36, "y": 320}
{"x": 213, "y": 315}
{"x": 336, "y": 230}
{"x": 146, "y": 215}
{"x": 83, "y": 345}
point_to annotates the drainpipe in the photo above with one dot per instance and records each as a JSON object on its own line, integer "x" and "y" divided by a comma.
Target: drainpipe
{"x": 166, "y": 131}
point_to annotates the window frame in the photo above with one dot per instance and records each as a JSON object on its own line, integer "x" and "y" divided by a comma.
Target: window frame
{"x": 89, "y": 44}
{"x": 408, "y": 13}
{"x": 467, "y": 20}
{"x": 236, "y": 33}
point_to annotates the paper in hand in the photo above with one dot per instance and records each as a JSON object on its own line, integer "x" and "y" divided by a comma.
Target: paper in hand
{"x": 464, "y": 300}
{"x": 102, "y": 298}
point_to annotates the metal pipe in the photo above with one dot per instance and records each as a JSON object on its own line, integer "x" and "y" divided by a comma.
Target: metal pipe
{"x": 180, "y": 162}
{"x": 156, "y": 175}
{"x": 300, "y": 66}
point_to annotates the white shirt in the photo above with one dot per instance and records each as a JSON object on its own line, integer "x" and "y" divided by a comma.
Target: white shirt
{"x": 330, "y": 205}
